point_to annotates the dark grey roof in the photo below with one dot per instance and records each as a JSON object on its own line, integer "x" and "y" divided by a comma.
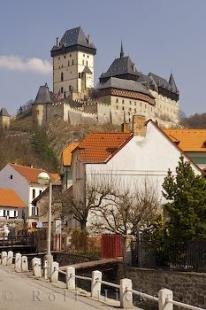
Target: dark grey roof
{"x": 76, "y": 36}
{"x": 87, "y": 70}
{"x": 173, "y": 85}
{"x": 120, "y": 66}
{"x": 43, "y": 95}
{"x": 124, "y": 84}
{"x": 163, "y": 83}
{"x": 3, "y": 112}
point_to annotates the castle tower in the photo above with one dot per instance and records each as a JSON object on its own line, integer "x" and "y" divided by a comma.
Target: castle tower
{"x": 40, "y": 106}
{"x": 5, "y": 119}
{"x": 73, "y": 64}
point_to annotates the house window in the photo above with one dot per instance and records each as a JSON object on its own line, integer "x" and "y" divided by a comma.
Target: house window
{"x": 62, "y": 76}
{"x": 7, "y": 212}
{"x": 4, "y": 213}
{"x": 70, "y": 88}
{"x": 11, "y": 177}
{"x": 14, "y": 213}
{"x": 33, "y": 193}
{"x": 40, "y": 192}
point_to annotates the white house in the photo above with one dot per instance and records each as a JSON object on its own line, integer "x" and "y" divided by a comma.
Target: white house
{"x": 126, "y": 158}
{"x": 24, "y": 181}
{"x": 11, "y": 205}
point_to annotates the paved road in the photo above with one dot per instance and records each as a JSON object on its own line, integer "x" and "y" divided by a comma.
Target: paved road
{"x": 23, "y": 292}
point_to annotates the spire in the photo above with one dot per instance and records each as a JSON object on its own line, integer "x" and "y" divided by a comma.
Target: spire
{"x": 173, "y": 84}
{"x": 121, "y": 51}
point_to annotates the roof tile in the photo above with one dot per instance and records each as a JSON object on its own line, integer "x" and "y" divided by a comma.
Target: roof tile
{"x": 9, "y": 198}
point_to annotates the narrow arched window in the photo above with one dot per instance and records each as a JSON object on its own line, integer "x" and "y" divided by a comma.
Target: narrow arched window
{"x": 62, "y": 76}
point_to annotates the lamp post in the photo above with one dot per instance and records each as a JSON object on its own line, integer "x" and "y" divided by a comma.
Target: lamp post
{"x": 44, "y": 179}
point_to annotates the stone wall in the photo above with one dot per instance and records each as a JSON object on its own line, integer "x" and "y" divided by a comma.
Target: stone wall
{"x": 187, "y": 287}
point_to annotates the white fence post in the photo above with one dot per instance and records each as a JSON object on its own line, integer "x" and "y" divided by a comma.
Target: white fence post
{"x": 96, "y": 284}
{"x": 17, "y": 266}
{"x": 126, "y": 298}
{"x": 36, "y": 266}
{"x": 45, "y": 269}
{"x": 70, "y": 278}
{"x": 10, "y": 258}
{"x": 54, "y": 272}
{"x": 4, "y": 258}
{"x": 164, "y": 296}
{"x": 24, "y": 264}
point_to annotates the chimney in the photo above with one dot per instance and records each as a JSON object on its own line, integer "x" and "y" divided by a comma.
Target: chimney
{"x": 125, "y": 127}
{"x": 138, "y": 125}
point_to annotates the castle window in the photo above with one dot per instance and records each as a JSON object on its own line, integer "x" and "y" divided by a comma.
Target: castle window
{"x": 72, "y": 61}
{"x": 117, "y": 100}
{"x": 87, "y": 63}
{"x": 135, "y": 110}
{"x": 117, "y": 107}
{"x": 70, "y": 88}
{"x": 130, "y": 109}
{"x": 123, "y": 108}
{"x": 70, "y": 55}
{"x": 83, "y": 55}
{"x": 123, "y": 101}
{"x": 83, "y": 62}
{"x": 130, "y": 102}
{"x": 87, "y": 56}
{"x": 68, "y": 63}
{"x": 64, "y": 56}
{"x": 62, "y": 90}
{"x": 59, "y": 57}
{"x": 62, "y": 76}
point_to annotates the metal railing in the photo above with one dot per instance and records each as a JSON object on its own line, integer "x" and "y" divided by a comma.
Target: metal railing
{"x": 164, "y": 298}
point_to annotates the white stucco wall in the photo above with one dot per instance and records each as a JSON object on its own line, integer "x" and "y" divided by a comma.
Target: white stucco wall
{"x": 20, "y": 185}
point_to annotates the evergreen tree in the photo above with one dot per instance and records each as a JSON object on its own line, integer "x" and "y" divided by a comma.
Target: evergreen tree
{"x": 186, "y": 206}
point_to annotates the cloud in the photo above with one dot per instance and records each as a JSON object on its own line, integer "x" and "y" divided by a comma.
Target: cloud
{"x": 35, "y": 65}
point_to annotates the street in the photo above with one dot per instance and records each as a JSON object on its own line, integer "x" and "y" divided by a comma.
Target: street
{"x": 20, "y": 291}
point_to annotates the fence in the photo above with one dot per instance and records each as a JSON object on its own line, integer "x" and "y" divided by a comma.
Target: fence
{"x": 182, "y": 256}
{"x": 164, "y": 299}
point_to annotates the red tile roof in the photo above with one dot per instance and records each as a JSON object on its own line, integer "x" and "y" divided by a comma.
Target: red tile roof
{"x": 31, "y": 174}
{"x": 9, "y": 198}
{"x": 100, "y": 147}
{"x": 67, "y": 153}
{"x": 188, "y": 140}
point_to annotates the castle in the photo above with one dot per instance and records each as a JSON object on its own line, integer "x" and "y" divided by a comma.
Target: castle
{"x": 122, "y": 91}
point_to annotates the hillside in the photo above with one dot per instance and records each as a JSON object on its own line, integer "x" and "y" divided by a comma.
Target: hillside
{"x": 26, "y": 145}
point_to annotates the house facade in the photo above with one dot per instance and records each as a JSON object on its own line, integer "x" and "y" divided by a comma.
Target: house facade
{"x": 24, "y": 181}
{"x": 11, "y": 205}
{"x": 127, "y": 160}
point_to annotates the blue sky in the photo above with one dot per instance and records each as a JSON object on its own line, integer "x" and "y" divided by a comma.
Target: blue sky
{"x": 161, "y": 36}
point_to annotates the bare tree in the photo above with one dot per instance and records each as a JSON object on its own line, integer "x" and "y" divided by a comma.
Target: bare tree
{"x": 125, "y": 212}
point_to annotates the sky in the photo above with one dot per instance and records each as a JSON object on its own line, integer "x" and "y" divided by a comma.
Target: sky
{"x": 160, "y": 36}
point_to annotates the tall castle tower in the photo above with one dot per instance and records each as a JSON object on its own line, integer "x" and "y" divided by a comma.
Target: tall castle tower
{"x": 73, "y": 64}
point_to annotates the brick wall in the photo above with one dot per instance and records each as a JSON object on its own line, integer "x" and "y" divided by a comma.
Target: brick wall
{"x": 188, "y": 287}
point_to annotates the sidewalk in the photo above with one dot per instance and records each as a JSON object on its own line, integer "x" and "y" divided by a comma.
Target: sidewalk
{"x": 20, "y": 291}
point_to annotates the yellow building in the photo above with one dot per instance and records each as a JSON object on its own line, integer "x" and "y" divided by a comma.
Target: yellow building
{"x": 5, "y": 119}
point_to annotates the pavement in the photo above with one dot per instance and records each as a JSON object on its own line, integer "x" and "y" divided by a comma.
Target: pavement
{"x": 21, "y": 291}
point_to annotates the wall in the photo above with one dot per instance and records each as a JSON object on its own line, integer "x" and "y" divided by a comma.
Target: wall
{"x": 5, "y": 121}
{"x": 188, "y": 287}
{"x": 142, "y": 159}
